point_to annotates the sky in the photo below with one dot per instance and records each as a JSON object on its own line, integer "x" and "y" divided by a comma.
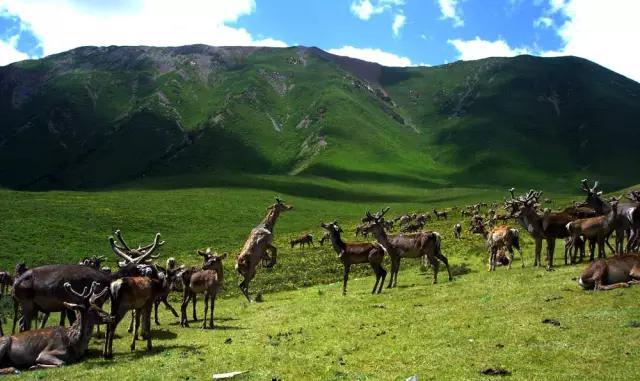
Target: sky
{"x": 390, "y": 32}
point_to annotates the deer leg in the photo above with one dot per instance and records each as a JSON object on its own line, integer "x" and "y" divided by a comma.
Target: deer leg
{"x": 538, "y": 250}
{"x": 384, "y": 275}
{"x": 135, "y": 330}
{"x": 444, "y": 260}
{"x": 510, "y": 256}
{"x": 206, "y": 307}
{"x": 194, "y": 299}
{"x": 346, "y": 279}
{"x": 492, "y": 258}
{"x": 169, "y": 307}
{"x": 27, "y": 314}
{"x": 15, "y": 316}
{"x": 396, "y": 271}
{"x": 213, "y": 305}
{"x": 374, "y": 267}
{"x": 45, "y": 318}
{"x": 435, "y": 265}
{"x": 551, "y": 245}
{"x": 274, "y": 254}
{"x": 186, "y": 297}
{"x": 133, "y": 317}
{"x": 606, "y": 241}
{"x": 49, "y": 360}
{"x": 146, "y": 324}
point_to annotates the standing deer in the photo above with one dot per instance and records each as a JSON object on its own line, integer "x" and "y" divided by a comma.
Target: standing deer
{"x": 439, "y": 215}
{"x": 621, "y": 223}
{"x": 616, "y": 272}
{"x": 595, "y": 228}
{"x": 206, "y": 281}
{"x": 256, "y": 247}
{"x": 325, "y": 236}
{"x": 6, "y": 280}
{"x": 356, "y": 253}
{"x": 457, "y": 231}
{"x": 305, "y": 239}
{"x": 500, "y": 238}
{"x": 425, "y": 245}
{"x": 55, "y": 346}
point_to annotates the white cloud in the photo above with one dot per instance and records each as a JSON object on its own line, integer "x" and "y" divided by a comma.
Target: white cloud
{"x": 372, "y": 55}
{"x": 9, "y": 53}
{"x": 450, "y": 10}
{"x": 423, "y": 36}
{"x": 65, "y": 24}
{"x": 398, "y": 23}
{"x": 543, "y": 22}
{"x": 605, "y": 32}
{"x": 364, "y": 9}
{"x": 477, "y": 48}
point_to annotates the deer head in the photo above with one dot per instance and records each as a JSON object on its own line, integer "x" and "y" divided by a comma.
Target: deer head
{"x": 280, "y": 206}
{"x": 87, "y": 301}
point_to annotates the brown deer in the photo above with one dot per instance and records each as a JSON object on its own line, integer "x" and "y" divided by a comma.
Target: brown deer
{"x": 206, "y": 281}
{"x": 425, "y": 245}
{"x": 595, "y": 228}
{"x": 500, "y": 238}
{"x": 305, "y": 239}
{"x": 457, "y": 231}
{"x": 439, "y": 215}
{"x": 356, "y": 253}
{"x": 55, "y": 346}
{"x": 258, "y": 243}
{"x": 616, "y": 272}
{"x": 633, "y": 215}
{"x": 621, "y": 223}
{"x": 411, "y": 227}
{"x": 6, "y": 280}
{"x": 325, "y": 236}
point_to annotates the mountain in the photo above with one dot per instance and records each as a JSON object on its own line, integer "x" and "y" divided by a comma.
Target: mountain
{"x": 98, "y": 116}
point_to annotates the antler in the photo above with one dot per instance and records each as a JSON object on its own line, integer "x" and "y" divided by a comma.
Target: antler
{"x": 119, "y": 251}
{"x": 118, "y": 234}
{"x": 94, "y": 296}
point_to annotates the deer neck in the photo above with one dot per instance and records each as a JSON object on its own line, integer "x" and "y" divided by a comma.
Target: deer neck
{"x": 79, "y": 333}
{"x": 270, "y": 220}
{"x": 337, "y": 242}
{"x": 528, "y": 219}
{"x": 381, "y": 236}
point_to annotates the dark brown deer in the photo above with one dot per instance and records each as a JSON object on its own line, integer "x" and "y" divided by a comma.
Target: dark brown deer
{"x": 425, "y": 245}
{"x": 305, "y": 239}
{"x": 439, "y": 215}
{"x": 356, "y": 253}
{"x": 616, "y": 272}
{"x": 206, "y": 281}
{"x": 55, "y": 346}
{"x": 256, "y": 246}
{"x": 6, "y": 280}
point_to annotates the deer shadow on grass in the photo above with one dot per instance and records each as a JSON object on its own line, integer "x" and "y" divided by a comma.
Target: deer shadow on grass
{"x": 126, "y": 355}
{"x": 456, "y": 270}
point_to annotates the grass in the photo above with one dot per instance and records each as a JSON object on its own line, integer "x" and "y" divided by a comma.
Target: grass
{"x": 305, "y": 328}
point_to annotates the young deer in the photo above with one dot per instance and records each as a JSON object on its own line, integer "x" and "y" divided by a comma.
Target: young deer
{"x": 425, "y": 245}
{"x": 54, "y": 346}
{"x": 207, "y": 282}
{"x": 498, "y": 239}
{"x": 356, "y": 253}
{"x": 305, "y": 239}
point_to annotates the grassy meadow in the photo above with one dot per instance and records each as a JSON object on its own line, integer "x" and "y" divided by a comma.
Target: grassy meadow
{"x": 305, "y": 328}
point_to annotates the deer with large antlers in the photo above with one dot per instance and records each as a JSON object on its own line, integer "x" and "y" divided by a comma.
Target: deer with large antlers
{"x": 206, "y": 281}
{"x": 425, "y": 245}
{"x": 595, "y": 228}
{"x": 356, "y": 253}
{"x": 54, "y": 346}
{"x": 547, "y": 227}
{"x": 256, "y": 246}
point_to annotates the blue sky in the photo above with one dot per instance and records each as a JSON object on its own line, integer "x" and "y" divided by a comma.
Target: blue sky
{"x": 392, "y": 32}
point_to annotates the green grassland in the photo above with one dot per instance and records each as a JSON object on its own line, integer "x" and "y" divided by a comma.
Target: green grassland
{"x": 305, "y": 328}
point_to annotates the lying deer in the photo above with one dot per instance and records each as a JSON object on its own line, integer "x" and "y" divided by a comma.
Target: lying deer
{"x": 207, "y": 282}
{"x": 305, "y": 239}
{"x": 54, "y": 346}
{"x": 425, "y": 245}
{"x": 357, "y": 253}
{"x": 256, "y": 246}
{"x": 615, "y": 272}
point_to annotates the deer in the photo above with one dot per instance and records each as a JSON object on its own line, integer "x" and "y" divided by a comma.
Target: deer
{"x": 596, "y": 228}
{"x": 325, "y": 236}
{"x": 633, "y": 215}
{"x": 360, "y": 230}
{"x": 256, "y": 246}
{"x": 547, "y": 227}
{"x": 500, "y": 238}
{"x": 412, "y": 227}
{"x": 93, "y": 261}
{"x": 357, "y": 253}
{"x": 55, "y": 346}
{"x": 305, "y": 239}
{"x": 425, "y": 245}
{"x": 621, "y": 223}
{"x": 6, "y": 280}
{"x": 619, "y": 271}
{"x": 457, "y": 231}
{"x": 206, "y": 281}
{"x": 439, "y": 215}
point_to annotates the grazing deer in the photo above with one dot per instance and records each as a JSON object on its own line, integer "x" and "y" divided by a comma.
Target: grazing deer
{"x": 457, "y": 231}
{"x": 325, "y": 236}
{"x": 425, "y": 245}
{"x": 439, "y": 215}
{"x": 500, "y": 238}
{"x": 305, "y": 239}
{"x": 356, "y": 253}
{"x": 258, "y": 243}
{"x": 206, "y": 281}
{"x": 596, "y": 228}
{"x": 616, "y": 272}
{"x": 411, "y": 228}
{"x": 55, "y": 346}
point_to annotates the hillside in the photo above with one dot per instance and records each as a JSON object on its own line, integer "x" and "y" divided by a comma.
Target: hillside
{"x": 95, "y": 117}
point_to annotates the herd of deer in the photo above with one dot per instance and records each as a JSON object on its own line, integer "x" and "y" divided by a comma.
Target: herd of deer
{"x": 139, "y": 284}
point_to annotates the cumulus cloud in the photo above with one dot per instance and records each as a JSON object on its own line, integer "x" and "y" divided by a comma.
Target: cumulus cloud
{"x": 372, "y": 55}
{"x": 398, "y": 23}
{"x": 9, "y": 53}
{"x": 451, "y": 10}
{"x": 601, "y": 31}
{"x": 478, "y": 48}
{"x": 543, "y": 22}
{"x": 364, "y": 9}
{"x": 65, "y": 24}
